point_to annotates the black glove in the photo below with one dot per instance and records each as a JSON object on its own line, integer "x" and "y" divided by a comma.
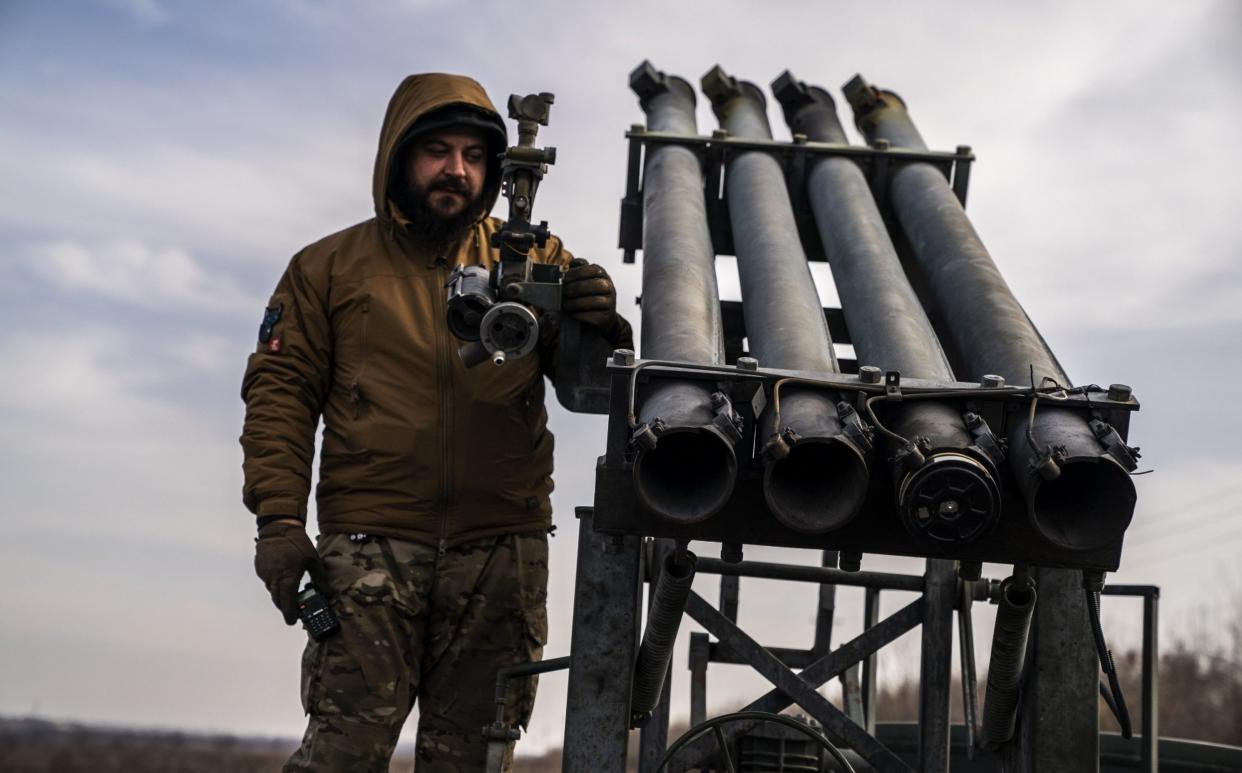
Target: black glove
{"x": 282, "y": 553}
{"x": 588, "y": 295}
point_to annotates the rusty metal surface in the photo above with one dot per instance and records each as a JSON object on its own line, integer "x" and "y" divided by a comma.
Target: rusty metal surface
{"x": 602, "y": 650}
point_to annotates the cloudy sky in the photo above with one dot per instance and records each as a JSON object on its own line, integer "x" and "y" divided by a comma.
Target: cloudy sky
{"x": 160, "y": 162}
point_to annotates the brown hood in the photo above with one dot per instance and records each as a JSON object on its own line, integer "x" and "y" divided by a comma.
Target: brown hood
{"x": 417, "y": 97}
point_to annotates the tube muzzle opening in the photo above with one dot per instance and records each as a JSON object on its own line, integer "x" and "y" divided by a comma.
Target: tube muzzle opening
{"x": 819, "y": 486}
{"x": 688, "y": 475}
{"x": 1088, "y": 505}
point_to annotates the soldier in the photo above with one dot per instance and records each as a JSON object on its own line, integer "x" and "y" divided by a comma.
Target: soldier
{"x": 433, "y": 498}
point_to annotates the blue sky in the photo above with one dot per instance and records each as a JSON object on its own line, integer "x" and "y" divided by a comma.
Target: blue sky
{"x": 160, "y": 162}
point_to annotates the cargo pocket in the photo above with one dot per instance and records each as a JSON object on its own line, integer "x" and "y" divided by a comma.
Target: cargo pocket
{"x": 536, "y": 624}
{"x": 312, "y": 676}
{"x": 360, "y": 673}
{"x": 532, "y": 558}
{"x": 536, "y": 629}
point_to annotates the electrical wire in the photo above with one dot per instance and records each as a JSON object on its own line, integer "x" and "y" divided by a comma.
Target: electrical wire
{"x": 1048, "y": 389}
{"x": 875, "y": 422}
{"x": 1113, "y": 696}
{"x": 717, "y": 369}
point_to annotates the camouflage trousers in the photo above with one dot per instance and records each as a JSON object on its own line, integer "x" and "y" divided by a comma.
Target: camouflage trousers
{"x": 420, "y": 623}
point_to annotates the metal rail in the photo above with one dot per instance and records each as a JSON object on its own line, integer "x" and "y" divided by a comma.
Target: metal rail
{"x": 817, "y": 574}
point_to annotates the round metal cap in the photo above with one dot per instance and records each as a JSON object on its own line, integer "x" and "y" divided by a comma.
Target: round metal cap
{"x": 950, "y": 499}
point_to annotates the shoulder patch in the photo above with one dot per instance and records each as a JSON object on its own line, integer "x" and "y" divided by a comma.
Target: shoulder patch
{"x": 271, "y": 315}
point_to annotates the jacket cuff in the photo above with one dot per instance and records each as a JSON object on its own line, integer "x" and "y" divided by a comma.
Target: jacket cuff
{"x": 291, "y": 508}
{"x": 619, "y": 333}
{"x": 266, "y": 519}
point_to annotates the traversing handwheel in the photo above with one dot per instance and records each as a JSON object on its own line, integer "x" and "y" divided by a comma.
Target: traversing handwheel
{"x": 715, "y": 726}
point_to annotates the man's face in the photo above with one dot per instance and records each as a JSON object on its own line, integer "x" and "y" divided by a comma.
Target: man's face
{"x": 447, "y": 168}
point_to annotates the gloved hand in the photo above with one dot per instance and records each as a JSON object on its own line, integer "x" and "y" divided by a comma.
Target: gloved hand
{"x": 589, "y": 295}
{"x": 282, "y": 553}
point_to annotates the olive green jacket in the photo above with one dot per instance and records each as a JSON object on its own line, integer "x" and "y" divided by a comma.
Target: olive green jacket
{"x": 415, "y": 445}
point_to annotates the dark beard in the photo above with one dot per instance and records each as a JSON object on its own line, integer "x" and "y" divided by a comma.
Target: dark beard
{"x": 428, "y": 226}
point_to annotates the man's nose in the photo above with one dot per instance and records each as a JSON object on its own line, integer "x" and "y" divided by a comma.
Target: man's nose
{"x": 455, "y": 164}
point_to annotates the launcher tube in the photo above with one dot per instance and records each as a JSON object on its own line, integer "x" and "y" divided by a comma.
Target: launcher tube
{"x": 1086, "y": 498}
{"x": 819, "y": 479}
{"x": 952, "y": 496}
{"x": 689, "y": 473}
{"x": 887, "y": 323}
{"x": 784, "y": 319}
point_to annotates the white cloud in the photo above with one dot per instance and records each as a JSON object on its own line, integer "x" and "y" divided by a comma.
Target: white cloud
{"x": 83, "y": 379}
{"x": 149, "y": 277}
{"x": 235, "y": 171}
{"x": 207, "y": 353}
{"x": 93, "y": 439}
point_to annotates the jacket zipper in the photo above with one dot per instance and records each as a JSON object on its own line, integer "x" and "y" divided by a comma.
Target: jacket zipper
{"x": 355, "y": 388}
{"x": 444, "y": 394}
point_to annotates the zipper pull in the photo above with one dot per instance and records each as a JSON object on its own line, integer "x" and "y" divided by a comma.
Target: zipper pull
{"x": 443, "y": 544}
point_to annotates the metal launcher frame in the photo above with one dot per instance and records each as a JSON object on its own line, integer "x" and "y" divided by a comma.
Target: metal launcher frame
{"x": 625, "y": 543}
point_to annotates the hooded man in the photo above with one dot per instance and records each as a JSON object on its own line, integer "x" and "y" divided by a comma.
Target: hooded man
{"x": 434, "y": 479}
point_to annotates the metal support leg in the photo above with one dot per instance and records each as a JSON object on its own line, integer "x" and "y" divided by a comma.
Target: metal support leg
{"x": 1151, "y": 681}
{"x": 871, "y": 616}
{"x": 937, "y": 665}
{"x": 653, "y": 739}
{"x": 851, "y": 695}
{"x": 730, "y": 585}
{"x": 827, "y": 606}
{"x": 700, "y": 655}
{"x": 966, "y": 650}
{"x": 602, "y": 650}
{"x": 1058, "y": 722}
